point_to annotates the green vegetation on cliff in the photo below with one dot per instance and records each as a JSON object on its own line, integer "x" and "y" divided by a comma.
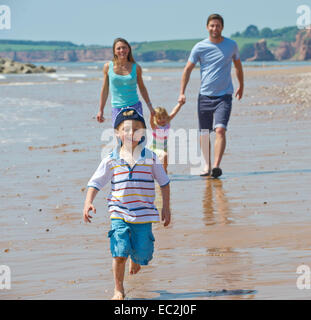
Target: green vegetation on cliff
{"x": 247, "y": 38}
{"x": 166, "y": 50}
{"x": 28, "y": 45}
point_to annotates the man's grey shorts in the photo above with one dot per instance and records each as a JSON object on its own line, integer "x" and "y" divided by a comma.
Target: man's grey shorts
{"x": 214, "y": 112}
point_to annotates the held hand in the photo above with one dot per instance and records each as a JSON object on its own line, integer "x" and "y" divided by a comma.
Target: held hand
{"x": 182, "y": 99}
{"x": 181, "y": 103}
{"x": 149, "y": 104}
{"x": 166, "y": 216}
{"x": 152, "y": 111}
{"x": 86, "y": 216}
{"x": 100, "y": 118}
{"x": 239, "y": 93}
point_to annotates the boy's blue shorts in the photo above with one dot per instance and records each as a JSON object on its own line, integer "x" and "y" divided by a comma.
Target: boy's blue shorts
{"x": 134, "y": 240}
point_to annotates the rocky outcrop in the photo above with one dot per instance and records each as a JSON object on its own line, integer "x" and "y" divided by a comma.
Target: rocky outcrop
{"x": 82, "y": 55}
{"x": 10, "y": 66}
{"x": 284, "y": 51}
{"x": 302, "y": 45}
{"x": 261, "y": 52}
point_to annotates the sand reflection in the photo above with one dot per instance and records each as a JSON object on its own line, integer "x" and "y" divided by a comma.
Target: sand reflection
{"x": 216, "y": 207}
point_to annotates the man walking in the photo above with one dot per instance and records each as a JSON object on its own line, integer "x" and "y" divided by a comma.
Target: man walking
{"x": 215, "y": 55}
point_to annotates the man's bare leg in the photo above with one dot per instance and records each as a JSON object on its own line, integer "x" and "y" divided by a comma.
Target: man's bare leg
{"x": 134, "y": 267}
{"x": 118, "y": 267}
{"x": 220, "y": 146}
{"x": 205, "y": 145}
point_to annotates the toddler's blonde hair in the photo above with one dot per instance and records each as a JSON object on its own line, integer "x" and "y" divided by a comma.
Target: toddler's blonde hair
{"x": 160, "y": 112}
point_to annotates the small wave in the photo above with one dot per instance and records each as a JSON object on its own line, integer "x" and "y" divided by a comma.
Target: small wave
{"x": 25, "y": 102}
{"x": 27, "y": 83}
{"x": 2, "y": 77}
{"x": 66, "y": 75}
{"x": 147, "y": 78}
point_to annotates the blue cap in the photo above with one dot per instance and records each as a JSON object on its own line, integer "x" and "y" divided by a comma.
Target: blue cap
{"x": 128, "y": 114}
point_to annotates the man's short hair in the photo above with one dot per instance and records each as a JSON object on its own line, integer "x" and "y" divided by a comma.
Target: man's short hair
{"x": 215, "y": 16}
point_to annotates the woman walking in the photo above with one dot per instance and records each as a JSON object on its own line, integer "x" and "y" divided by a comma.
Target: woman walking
{"x": 121, "y": 77}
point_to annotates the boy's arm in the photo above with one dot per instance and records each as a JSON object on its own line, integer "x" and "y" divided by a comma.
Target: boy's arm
{"x": 164, "y": 182}
{"x": 88, "y": 204}
{"x": 102, "y": 175}
{"x": 166, "y": 211}
{"x": 175, "y": 110}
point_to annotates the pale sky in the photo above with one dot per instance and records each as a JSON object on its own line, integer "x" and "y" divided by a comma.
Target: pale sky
{"x": 101, "y": 21}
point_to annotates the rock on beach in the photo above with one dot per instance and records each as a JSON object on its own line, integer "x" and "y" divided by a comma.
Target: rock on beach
{"x": 11, "y": 66}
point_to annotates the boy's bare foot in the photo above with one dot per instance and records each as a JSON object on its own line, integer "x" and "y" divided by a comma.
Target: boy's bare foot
{"x": 134, "y": 267}
{"x": 118, "y": 295}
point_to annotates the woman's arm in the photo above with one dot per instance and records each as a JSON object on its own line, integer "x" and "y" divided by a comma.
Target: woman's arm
{"x": 142, "y": 88}
{"x": 152, "y": 124}
{"x": 103, "y": 94}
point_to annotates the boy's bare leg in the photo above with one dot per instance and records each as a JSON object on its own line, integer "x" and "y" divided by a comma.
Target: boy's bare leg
{"x": 220, "y": 145}
{"x": 205, "y": 144}
{"x": 134, "y": 267}
{"x": 118, "y": 267}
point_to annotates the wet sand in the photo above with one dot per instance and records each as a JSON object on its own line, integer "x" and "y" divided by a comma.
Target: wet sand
{"x": 239, "y": 237}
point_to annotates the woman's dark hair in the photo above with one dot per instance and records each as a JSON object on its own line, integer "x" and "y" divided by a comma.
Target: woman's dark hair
{"x": 215, "y": 16}
{"x": 130, "y": 55}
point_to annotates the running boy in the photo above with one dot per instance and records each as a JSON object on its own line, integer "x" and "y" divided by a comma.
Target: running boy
{"x": 131, "y": 168}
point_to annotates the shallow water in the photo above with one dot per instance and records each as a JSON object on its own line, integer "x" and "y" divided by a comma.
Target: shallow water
{"x": 239, "y": 237}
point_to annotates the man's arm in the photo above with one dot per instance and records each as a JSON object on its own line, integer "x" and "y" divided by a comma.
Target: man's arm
{"x": 240, "y": 76}
{"x": 184, "y": 81}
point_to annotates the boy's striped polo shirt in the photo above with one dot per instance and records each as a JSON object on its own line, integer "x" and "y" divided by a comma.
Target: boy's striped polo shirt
{"x": 132, "y": 189}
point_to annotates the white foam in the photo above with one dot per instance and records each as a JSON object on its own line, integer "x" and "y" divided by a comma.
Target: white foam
{"x": 147, "y": 78}
{"x": 27, "y": 83}
{"x": 66, "y": 75}
{"x": 25, "y": 102}
{"x": 2, "y": 77}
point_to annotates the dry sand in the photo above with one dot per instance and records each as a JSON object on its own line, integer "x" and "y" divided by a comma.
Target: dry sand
{"x": 240, "y": 237}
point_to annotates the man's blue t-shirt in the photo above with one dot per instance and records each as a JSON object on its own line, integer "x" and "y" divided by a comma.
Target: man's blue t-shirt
{"x": 215, "y": 65}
